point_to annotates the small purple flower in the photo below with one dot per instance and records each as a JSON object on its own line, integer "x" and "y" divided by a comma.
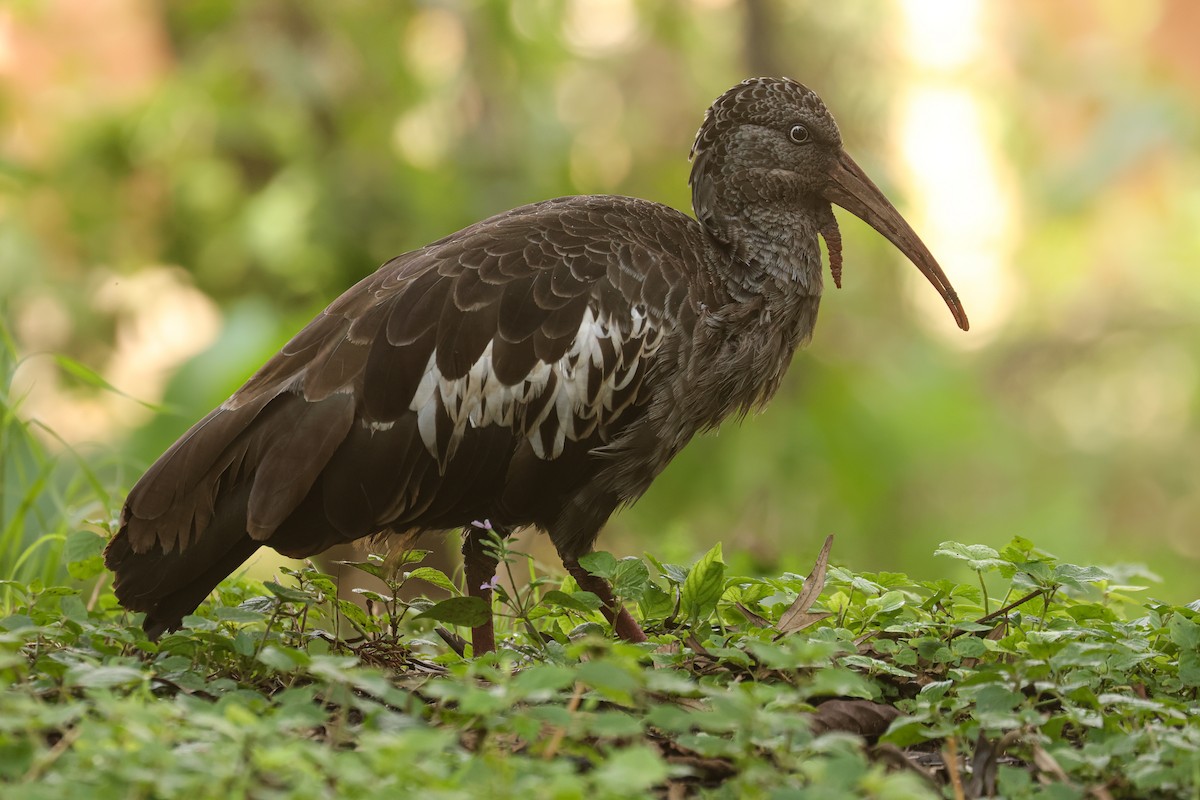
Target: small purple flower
{"x": 492, "y": 584}
{"x": 485, "y": 525}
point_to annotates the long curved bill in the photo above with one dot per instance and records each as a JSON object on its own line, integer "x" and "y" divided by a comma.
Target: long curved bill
{"x": 850, "y": 188}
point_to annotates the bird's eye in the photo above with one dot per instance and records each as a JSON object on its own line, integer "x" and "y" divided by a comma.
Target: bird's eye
{"x": 799, "y": 134}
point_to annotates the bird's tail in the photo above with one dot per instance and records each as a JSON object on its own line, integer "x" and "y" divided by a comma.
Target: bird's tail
{"x": 169, "y": 585}
{"x": 226, "y": 488}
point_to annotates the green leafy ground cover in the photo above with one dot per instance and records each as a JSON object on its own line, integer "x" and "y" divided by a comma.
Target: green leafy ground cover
{"x": 1034, "y": 679}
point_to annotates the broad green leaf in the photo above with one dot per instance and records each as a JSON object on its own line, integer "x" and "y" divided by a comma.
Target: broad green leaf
{"x": 630, "y": 579}
{"x": 542, "y": 678}
{"x": 613, "y": 681}
{"x": 599, "y": 563}
{"x": 1185, "y": 633}
{"x": 867, "y": 587}
{"x": 195, "y": 622}
{"x": 656, "y": 603}
{"x": 1076, "y": 576}
{"x": 704, "y": 585}
{"x": 338, "y": 669}
{"x": 372, "y": 595}
{"x": 1033, "y": 574}
{"x": 356, "y": 615}
{"x": 936, "y": 690}
{"x": 836, "y": 682}
{"x": 1018, "y": 550}
{"x": 85, "y": 568}
{"x": 321, "y": 583}
{"x": 674, "y": 573}
{"x": 238, "y": 614}
{"x": 969, "y": 647}
{"x": 72, "y": 607}
{"x": 670, "y": 718}
{"x": 57, "y": 591}
{"x": 1189, "y": 668}
{"x": 103, "y": 677}
{"x": 383, "y": 568}
{"x": 995, "y": 699}
{"x": 283, "y": 659}
{"x": 614, "y": 725}
{"x": 81, "y": 545}
{"x": 631, "y": 771}
{"x": 289, "y": 594}
{"x": 979, "y": 557}
{"x": 887, "y": 602}
{"x": 370, "y": 567}
{"x": 584, "y": 602}
{"x": 414, "y": 556}
{"x": 435, "y": 577}
{"x": 556, "y": 715}
{"x": 466, "y": 611}
{"x": 245, "y": 642}
{"x": 932, "y": 649}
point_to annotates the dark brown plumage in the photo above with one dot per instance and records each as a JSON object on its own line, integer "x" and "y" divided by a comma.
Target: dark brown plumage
{"x": 541, "y": 367}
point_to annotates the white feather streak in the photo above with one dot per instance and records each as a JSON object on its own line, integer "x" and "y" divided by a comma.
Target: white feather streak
{"x": 479, "y": 399}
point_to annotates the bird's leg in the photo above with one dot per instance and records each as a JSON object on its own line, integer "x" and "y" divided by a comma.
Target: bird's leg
{"x": 479, "y": 566}
{"x": 624, "y": 624}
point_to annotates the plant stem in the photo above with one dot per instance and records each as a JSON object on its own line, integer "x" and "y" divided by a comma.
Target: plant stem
{"x": 983, "y": 586}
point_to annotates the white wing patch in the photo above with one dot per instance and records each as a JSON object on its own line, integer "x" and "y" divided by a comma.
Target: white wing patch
{"x": 566, "y": 399}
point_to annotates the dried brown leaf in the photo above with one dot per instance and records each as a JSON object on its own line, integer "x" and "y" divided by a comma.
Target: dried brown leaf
{"x": 751, "y": 617}
{"x": 797, "y": 616}
{"x": 862, "y": 717}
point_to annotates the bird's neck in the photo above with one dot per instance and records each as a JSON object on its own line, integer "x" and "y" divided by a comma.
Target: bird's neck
{"x": 768, "y": 240}
{"x": 771, "y": 272}
{"x": 769, "y": 252}
{"x": 766, "y": 271}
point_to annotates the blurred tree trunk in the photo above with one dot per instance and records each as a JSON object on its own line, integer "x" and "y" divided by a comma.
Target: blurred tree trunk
{"x": 759, "y": 51}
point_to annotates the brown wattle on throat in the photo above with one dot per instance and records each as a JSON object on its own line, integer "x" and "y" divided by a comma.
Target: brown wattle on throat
{"x": 833, "y": 243}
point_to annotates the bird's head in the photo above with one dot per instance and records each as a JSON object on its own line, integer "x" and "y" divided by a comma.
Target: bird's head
{"x": 771, "y": 142}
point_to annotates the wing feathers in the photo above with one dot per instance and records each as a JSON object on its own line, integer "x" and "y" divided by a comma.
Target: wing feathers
{"x": 513, "y": 361}
{"x": 392, "y": 374}
{"x": 521, "y": 334}
{"x": 299, "y": 442}
{"x": 334, "y": 367}
{"x": 520, "y": 314}
{"x": 462, "y": 336}
{"x": 194, "y": 454}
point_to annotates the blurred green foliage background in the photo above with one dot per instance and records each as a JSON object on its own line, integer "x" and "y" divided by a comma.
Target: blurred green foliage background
{"x": 184, "y": 184}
